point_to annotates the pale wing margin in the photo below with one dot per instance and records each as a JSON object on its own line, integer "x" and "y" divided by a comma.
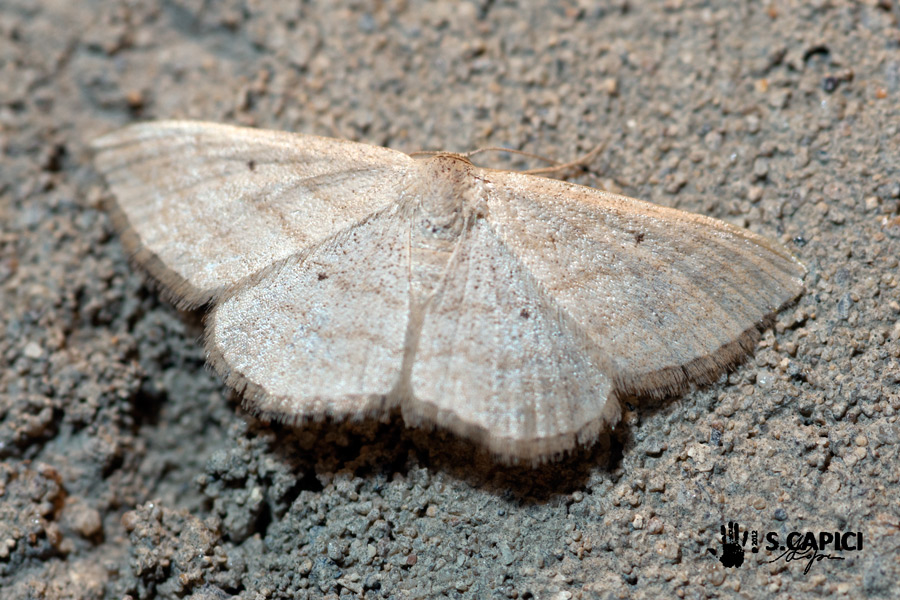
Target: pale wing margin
{"x": 673, "y": 298}
{"x": 203, "y": 205}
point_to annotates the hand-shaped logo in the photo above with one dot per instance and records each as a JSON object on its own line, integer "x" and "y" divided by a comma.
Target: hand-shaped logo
{"x": 733, "y": 544}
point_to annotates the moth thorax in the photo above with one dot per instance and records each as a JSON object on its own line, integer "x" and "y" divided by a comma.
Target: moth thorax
{"x": 446, "y": 187}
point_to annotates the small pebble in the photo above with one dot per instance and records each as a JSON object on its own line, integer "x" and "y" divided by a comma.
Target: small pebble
{"x": 33, "y": 350}
{"x": 717, "y": 576}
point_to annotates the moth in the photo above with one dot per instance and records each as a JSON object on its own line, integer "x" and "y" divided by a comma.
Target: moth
{"x": 347, "y": 281}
